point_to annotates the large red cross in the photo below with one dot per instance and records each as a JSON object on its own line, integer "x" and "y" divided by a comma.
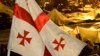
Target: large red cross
{"x": 24, "y": 38}
{"x": 59, "y": 44}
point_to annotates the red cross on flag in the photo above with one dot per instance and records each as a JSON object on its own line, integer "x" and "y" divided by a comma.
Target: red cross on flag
{"x": 57, "y": 42}
{"x": 24, "y": 39}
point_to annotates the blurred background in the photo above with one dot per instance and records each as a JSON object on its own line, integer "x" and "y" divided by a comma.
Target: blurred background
{"x": 79, "y": 18}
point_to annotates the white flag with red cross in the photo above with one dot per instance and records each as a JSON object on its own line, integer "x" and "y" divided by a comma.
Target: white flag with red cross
{"x": 57, "y": 42}
{"x": 24, "y": 38}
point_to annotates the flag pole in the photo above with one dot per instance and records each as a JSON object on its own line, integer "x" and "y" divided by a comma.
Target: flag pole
{"x": 8, "y": 53}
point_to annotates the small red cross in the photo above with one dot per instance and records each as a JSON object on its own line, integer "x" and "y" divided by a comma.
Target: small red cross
{"x": 59, "y": 44}
{"x": 24, "y": 37}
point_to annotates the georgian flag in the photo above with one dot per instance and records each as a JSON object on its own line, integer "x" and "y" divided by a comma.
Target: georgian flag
{"x": 24, "y": 39}
{"x": 57, "y": 42}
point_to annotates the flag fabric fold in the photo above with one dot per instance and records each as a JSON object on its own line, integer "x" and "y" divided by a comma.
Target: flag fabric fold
{"x": 57, "y": 42}
{"x": 24, "y": 38}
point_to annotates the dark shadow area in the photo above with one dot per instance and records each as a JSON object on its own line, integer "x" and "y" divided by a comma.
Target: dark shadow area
{"x": 5, "y": 22}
